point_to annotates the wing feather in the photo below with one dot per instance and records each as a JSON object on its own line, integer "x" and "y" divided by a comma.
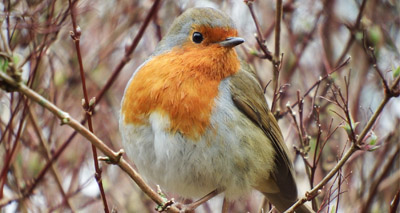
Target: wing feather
{"x": 248, "y": 96}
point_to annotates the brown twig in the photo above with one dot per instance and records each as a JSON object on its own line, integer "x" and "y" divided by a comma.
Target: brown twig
{"x": 75, "y": 35}
{"x": 259, "y": 36}
{"x": 371, "y": 52}
{"x": 395, "y": 202}
{"x": 301, "y": 151}
{"x": 374, "y": 185}
{"x": 10, "y": 155}
{"x": 276, "y": 60}
{"x": 47, "y": 155}
{"x": 328, "y": 199}
{"x": 352, "y": 34}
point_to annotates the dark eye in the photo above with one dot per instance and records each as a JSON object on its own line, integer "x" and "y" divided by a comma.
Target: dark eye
{"x": 197, "y": 37}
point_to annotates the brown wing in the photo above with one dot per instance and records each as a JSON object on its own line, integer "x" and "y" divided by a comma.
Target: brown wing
{"x": 248, "y": 96}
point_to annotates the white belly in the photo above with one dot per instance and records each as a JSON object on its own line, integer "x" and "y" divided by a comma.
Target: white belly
{"x": 221, "y": 159}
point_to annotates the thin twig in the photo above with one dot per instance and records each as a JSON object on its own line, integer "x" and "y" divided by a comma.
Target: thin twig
{"x": 5, "y": 42}
{"x": 47, "y": 155}
{"x": 276, "y": 61}
{"x": 75, "y": 35}
{"x": 352, "y": 34}
{"x": 259, "y": 36}
{"x": 395, "y": 202}
{"x": 10, "y": 156}
{"x": 374, "y": 185}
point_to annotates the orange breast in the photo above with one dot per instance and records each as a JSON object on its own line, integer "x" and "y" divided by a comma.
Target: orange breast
{"x": 182, "y": 84}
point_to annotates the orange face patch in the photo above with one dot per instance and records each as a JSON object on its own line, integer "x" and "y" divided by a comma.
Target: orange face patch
{"x": 182, "y": 84}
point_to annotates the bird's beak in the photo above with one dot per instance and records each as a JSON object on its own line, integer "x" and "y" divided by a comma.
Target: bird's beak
{"x": 231, "y": 42}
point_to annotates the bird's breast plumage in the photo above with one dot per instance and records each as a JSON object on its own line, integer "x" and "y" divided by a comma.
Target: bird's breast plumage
{"x": 181, "y": 84}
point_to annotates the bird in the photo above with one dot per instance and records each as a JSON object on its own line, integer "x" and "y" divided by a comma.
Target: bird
{"x": 195, "y": 121}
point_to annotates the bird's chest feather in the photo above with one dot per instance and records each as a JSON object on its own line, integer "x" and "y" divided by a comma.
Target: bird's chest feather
{"x": 181, "y": 85}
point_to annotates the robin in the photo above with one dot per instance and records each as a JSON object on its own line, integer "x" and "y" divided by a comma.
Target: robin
{"x": 195, "y": 121}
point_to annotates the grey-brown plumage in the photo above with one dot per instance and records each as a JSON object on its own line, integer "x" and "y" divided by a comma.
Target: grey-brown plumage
{"x": 253, "y": 104}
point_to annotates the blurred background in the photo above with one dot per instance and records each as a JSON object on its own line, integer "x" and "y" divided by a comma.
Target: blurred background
{"x": 317, "y": 37}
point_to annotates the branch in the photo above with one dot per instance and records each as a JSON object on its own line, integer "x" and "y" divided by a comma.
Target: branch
{"x": 276, "y": 58}
{"x": 395, "y": 202}
{"x": 374, "y": 185}
{"x": 352, "y": 34}
{"x": 259, "y": 36}
{"x": 47, "y": 154}
{"x": 75, "y": 35}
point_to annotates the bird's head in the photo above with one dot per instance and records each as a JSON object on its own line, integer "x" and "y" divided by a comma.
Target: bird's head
{"x": 199, "y": 29}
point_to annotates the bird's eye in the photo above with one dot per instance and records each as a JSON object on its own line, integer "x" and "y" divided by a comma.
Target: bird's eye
{"x": 197, "y": 37}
